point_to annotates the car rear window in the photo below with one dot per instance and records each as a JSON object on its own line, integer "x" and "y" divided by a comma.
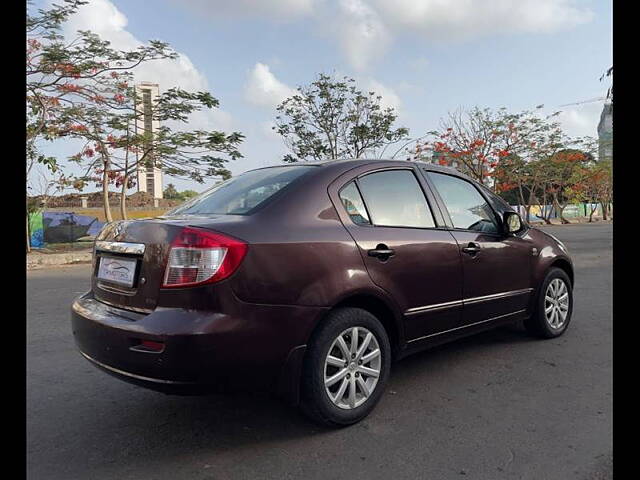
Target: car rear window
{"x": 242, "y": 194}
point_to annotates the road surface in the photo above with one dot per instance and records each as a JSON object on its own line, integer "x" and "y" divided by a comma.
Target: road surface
{"x": 496, "y": 406}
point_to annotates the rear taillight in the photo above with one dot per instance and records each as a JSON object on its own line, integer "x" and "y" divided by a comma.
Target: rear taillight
{"x": 200, "y": 256}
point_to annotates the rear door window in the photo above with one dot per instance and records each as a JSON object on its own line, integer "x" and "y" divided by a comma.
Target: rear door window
{"x": 467, "y": 207}
{"x": 394, "y": 198}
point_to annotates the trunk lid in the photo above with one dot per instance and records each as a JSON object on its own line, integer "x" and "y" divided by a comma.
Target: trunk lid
{"x": 143, "y": 246}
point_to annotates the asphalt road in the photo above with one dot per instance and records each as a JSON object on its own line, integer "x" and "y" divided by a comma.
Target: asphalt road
{"x": 498, "y": 405}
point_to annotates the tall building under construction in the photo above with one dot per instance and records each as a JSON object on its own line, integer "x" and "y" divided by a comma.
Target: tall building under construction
{"x": 605, "y": 133}
{"x": 149, "y": 171}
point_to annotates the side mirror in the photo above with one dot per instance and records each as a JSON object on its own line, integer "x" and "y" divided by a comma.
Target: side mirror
{"x": 512, "y": 223}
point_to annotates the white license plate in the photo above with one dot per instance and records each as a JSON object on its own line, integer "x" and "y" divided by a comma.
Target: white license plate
{"x": 117, "y": 270}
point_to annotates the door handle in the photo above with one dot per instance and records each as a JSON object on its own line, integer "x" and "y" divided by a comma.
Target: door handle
{"x": 472, "y": 248}
{"x": 382, "y": 252}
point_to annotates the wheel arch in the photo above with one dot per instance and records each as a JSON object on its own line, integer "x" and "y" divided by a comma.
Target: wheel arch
{"x": 564, "y": 264}
{"x": 383, "y": 309}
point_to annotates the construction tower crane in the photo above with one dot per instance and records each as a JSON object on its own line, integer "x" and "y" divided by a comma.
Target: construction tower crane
{"x": 597, "y": 99}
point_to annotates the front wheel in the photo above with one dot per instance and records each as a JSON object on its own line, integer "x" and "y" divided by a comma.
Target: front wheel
{"x": 346, "y": 367}
{"x": 554, "y": 306}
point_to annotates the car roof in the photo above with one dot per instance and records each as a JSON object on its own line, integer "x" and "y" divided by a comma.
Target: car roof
{"x": 349, "y": 163}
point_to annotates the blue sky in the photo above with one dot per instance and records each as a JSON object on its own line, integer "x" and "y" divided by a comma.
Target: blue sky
{"x": 426, "y": 57}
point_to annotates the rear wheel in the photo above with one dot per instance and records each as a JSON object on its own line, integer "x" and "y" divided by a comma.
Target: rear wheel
{"x": 554, "y": 306}
{"x": 346, "y": 367}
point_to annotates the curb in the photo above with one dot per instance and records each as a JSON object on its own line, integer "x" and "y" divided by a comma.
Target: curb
{"x": 43, "y": 260}
{"x": 598, "y": 222}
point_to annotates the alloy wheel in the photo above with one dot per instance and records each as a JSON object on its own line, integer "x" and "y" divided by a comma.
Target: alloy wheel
{"x": 352, "y": 367}
{"x": 556, "y": 303}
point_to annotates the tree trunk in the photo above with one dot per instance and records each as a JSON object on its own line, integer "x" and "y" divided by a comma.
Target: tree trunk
{"x": 28, "y": 236}
{"x": 604, "y": 210}
{"x": 593, "y": 210}
{"x": 546, "y": 215}
{"x": 123, "y": 198}
{"x": 560, "y": 210}
{"x": 105, "y": 193}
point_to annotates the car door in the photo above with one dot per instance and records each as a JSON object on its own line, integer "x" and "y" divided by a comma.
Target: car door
{"x": 407, "y": 252}
{"x": 496, "y": 267}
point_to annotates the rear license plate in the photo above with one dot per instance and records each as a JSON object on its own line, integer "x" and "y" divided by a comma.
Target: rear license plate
{"x": 117, "y": 270}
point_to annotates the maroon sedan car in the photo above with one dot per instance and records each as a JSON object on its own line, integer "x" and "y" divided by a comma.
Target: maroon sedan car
{"x": 311, "y": 279}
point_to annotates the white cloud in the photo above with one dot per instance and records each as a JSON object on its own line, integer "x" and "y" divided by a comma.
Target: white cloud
{"x": 104, "y": 18}
{"x": 465, "y": 19}
{"x": 275, "y": 9}
{"x": 264, "y": 89}
{"x": 389, "y": 97}
{"x": 364, "y": 29}
{"x": 581, "y": 120}
{"x": 361, "y": 33}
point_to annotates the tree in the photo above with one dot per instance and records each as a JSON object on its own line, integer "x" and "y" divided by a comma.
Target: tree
{"x": 591, "y": 183}
{"x": 63, "y": 75}
{"x": 331, "y": 119}
{"x": 188, "y": 194}
{"x": 497, "y": 148}
{"x": 170, "y": 192}
{"x": 561, "y": 169}
{"x": 60, "y": 74}
{"x": 114, "y": 149}
{"x": 84, "y": 89}
{"x": 482, "y": 143}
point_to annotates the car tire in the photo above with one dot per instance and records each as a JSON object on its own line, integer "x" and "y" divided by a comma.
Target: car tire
{"x": 320, "y": 398}
{"x": 544, "y": 323}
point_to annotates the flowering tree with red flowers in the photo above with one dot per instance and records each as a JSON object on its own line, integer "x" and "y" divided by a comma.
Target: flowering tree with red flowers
{"x": 478, "y": 141}
{"x": 113, "y": 149}
{"x": 473, "y": 141}
{"x": 63, "y": 74}
{"x": 83, "y": 89}
{"x": 505, "y": 151}
{"x": 591, "y": 183}
{"x": 561, "y": 173}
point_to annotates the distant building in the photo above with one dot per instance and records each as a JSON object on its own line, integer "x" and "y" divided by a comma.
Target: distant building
{"x": 149, "y": 171}
{"x": 605, "y": 133}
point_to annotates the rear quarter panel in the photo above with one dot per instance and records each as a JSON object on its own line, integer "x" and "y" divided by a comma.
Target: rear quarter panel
{"x": 299, "y": 251}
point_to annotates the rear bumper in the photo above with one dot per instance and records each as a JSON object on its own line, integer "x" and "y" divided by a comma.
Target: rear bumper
{"x": 255, "y": 347}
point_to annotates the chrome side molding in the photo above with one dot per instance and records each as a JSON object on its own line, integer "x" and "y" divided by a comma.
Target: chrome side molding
{"x": 467, "y": 326}
{"x": 120, "y": 247}
{"x": 468, "y": 301}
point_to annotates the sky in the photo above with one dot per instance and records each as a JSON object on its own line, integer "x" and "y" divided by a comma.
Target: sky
{"x": 425, "y": 57}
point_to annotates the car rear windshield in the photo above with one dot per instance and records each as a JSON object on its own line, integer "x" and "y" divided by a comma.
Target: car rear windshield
{"x": 239, "y": 195}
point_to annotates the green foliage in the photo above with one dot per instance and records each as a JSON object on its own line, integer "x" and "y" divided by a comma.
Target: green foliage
{"x": 170, "y": 192}
{"x": 331, "y": 119}
{"x": 188, "y": 194}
